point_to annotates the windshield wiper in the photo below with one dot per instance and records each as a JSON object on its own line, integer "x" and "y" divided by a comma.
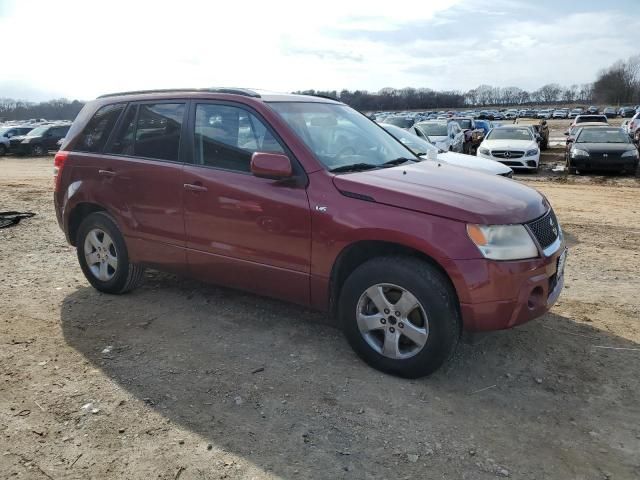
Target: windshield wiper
{"x": 354, "y": 167}
{"x": 398, "y": 161}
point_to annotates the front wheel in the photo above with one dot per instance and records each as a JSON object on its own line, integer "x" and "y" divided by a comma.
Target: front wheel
{"x": 103, "y": 255}
{"x": 38, "y": 150}
{"x": 400, "y": 315}
{"x": 3, "y": 150}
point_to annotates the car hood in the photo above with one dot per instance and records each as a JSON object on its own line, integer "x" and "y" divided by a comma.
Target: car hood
{"x": 509, "y": 144}
{"x": 448, "y": 191}
{"x": 473, "y": 162}
{"x": 605, "y": 147}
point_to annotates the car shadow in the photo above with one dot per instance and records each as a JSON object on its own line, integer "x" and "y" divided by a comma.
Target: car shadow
{"x": 278, "y": 385}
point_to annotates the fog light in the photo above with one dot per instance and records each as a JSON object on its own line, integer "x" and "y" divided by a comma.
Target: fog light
{"x": 535, "y": 298}
{"x": 531, "y": 163}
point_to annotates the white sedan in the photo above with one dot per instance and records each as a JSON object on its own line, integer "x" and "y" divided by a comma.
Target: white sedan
{"x": 446, "y": 135}
{"x": 423, "y": 148}
{"x": 513, "y": 146}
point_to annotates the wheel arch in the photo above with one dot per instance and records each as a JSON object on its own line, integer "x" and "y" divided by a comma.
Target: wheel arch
{"x": 77, "y": 215}
{"x": 357, "y": 253}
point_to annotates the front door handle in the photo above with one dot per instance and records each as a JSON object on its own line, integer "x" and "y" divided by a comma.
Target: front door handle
{"x": 107, "y": 173}
{"x": 194, "y": 187}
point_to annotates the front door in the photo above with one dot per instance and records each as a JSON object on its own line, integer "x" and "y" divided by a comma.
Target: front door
{"x": 243, "y": 231}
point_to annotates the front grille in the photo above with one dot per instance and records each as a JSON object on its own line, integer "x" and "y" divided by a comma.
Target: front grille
{"x": 507, "y": 153}
{"x": 545, "y": 229}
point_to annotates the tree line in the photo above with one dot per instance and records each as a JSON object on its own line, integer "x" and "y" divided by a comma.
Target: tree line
{"x": 616, "y": 85}
{"x": 59, "y": 109}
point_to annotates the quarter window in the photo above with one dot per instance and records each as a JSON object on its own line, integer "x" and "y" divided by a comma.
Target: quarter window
{"x": 226, "y": 137}
{"x": 95, "y": 134}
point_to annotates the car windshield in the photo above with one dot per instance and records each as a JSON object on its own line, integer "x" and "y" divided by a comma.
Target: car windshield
{"x": 341, "y": 137}
{"x": 402, "y": 122}
{"x": 602, "y": 135}
{"x": 510, "y": 134}
{"x": 464, "y": 123}
{"x": 591, "y": 119}
{"x": 36, "y": 132}
{"x": 418, "y": 145}
{"x": 433, "y": 129}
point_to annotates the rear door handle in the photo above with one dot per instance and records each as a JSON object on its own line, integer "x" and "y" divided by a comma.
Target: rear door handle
{"x": 107, "y": 173}
{"x": 194, "y": 187}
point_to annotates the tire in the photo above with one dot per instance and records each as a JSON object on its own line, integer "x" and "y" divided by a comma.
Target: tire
{"x": 119, "y": 276}
{"x": 3, "y": 150}
{"x": 436, "y": 314}
{"x": 572, "y": 170}
{"x": 38, "y": 150}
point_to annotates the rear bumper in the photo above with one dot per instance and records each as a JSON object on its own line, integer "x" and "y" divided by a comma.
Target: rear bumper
{"x": 505, "y": 294}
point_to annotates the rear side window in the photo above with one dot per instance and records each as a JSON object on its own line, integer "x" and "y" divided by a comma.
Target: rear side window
{"x": 150, "y": 131}
{"x": 95, "y": 134}
{"x": 158, "y": 130}
{"x": 226, "y": 137}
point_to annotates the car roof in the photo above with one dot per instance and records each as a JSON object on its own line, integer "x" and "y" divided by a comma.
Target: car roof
{"x": 218, "y": 92}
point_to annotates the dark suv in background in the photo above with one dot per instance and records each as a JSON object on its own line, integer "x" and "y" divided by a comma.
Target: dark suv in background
{"x": 39, "y": 140}
{"x": 305, "y": 199}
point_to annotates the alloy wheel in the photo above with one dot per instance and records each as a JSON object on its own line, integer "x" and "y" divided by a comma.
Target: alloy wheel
{"x": 101, "y": 254}
{"x": 392, "y": 321}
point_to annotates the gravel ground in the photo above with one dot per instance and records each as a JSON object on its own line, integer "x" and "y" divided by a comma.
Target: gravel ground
{"x": 184, "y": 380}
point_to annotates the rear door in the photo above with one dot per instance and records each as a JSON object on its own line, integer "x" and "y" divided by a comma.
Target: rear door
{"x": 243, "y": 231}
{"x": 138, "y": 177}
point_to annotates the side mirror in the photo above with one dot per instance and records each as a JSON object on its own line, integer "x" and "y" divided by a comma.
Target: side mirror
{"x": 570, "y": 139}
{"x": 271, "y": 165}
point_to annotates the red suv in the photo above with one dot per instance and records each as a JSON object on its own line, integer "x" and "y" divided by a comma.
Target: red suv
{"x": 304, "y": 199}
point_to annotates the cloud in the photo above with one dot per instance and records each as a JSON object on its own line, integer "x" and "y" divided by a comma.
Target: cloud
{"x": 442, "y": 44}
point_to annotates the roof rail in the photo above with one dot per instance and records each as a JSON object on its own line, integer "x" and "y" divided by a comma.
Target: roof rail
{"x": 234, "y": 91}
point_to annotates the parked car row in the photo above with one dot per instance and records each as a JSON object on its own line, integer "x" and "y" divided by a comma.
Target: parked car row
{"x": 32, "y": 139}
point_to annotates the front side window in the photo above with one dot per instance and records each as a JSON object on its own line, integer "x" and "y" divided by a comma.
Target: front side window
{"x": 226, "y": 137}
{"x": 96, "y": 132}
{"x": 340, "y": 137}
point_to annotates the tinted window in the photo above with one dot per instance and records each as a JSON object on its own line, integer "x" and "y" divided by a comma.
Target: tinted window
{"x": 158, "y": 131}
{"x": 61, "y": 132}
{"x": 96, "y": 133}
{"x": 124, "y": 138}
{"x": 226, "y": 137}
{"x": 435, "y": 129}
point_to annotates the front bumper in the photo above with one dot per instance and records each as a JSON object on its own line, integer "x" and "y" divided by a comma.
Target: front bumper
{"x": 505, "y": 294}
{"x": 613, "y": 165}
{"x": 530, "y": 163}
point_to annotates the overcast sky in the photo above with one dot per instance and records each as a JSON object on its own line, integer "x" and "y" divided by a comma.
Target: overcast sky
{"x": 84, "y": 48}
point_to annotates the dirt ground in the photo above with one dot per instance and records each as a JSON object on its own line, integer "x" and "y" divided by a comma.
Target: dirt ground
{"x": 184, "y": 380}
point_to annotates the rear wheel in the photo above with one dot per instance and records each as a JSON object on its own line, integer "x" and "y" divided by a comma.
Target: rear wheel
{"x": 571, "y": 169}
{"x": 3, "y": 150}
{"x": 103, "y": 255}
{"x": 400, "y": 315}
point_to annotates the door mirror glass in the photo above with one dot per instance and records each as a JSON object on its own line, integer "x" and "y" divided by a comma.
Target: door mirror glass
{"x": 271, "y": 165}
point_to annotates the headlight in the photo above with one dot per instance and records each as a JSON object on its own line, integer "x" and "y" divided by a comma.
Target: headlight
{"x": 630, "y": 153}
{"x": 576, "y": 152}
{"x": 502, "y": 242}
{"x": 485, "y": 151}
{"x": 532, "y": 152}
